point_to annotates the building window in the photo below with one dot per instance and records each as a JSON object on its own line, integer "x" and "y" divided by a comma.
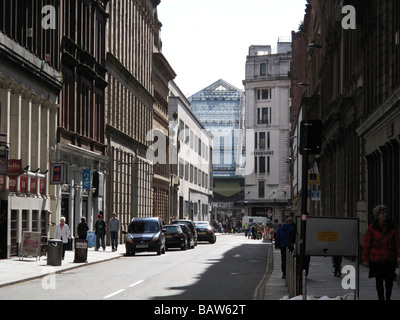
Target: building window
{"x": 181, "y": 168}
{"x": 261, "y": 161}
{"x": 268, "y": 140}
{"x": 264, "y": 94}
{"x": 261, "y": 189}
{"x": 268, "y": 165}
{"x": 262, "y": 140}
{"x": 263, "y": 69}
{"x": 181, "y": 131}
{"x": 262, "y": 115}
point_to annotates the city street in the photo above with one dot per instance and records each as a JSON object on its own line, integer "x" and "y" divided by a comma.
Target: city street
{"x": 234, "y": 268}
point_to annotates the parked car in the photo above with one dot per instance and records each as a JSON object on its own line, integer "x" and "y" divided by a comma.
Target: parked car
{"x": 145, "y": 235}
{"x": 205, "y": 232}
{"x": 175, "y": 237}
{"x": 189, "y": 235}
{"x": 191, "y": 226}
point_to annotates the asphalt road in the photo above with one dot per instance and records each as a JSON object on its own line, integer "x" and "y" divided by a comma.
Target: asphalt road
{"x": 234, "y": 268}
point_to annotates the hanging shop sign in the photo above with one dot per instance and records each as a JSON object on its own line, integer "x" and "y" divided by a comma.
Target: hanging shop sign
{"x": 15, "y": 167}
{"x": 23, "y": 184}
{"x": 57, "y": 173}
{"x": 86, "y": 179}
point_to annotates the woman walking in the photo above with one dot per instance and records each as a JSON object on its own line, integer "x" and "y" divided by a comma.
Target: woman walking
{"x": 381, "y": 251}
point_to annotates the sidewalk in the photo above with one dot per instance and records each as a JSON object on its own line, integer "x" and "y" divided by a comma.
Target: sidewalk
{"x": 17, "y": 270}
{"x": 322, "y": 283}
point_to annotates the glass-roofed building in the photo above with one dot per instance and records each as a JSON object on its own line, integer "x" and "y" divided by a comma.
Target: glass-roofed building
{"x": 220, "y": 109}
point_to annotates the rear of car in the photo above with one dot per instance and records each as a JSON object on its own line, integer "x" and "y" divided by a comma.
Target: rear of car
{"x": 191, "y": 226}
{"x": 145, "y": 235}
{"x": 175, "y": 237}
{"x": 205, "y": 232}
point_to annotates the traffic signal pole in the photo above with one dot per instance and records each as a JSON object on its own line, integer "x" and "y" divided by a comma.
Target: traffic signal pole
{"x": 310, "y": 143}
{"x": 303, "y": 223}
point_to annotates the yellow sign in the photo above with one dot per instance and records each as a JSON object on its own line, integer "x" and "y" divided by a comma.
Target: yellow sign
{"x": 327, "y": 236}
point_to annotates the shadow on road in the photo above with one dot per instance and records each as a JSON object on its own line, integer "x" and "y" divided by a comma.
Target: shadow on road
{"x": 233, "y": 277}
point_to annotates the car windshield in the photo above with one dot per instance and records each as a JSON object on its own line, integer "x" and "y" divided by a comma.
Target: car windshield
{"x": 172, "y": 229}
{"x": 144, "y": 227}
{"x": 202, "y": 224}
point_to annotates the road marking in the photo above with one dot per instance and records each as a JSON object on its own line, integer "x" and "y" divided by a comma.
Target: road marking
{"x": 122, "y": 290}
{"x": 136, "y": 283}
{"x": 114, "y": 294}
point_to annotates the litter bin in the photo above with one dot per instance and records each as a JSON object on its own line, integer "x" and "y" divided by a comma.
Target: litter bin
{"x": 54, "y": 252}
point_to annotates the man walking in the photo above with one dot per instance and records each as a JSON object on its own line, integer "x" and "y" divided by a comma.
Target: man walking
{"x": 285, "y": 238}
{"x": 113, "y": 226}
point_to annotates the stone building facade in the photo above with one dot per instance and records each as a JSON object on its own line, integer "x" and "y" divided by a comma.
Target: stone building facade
{"x": 267, "y": 89}
{"x": 353, "y": 78}
{"x": 130, "y": 105}
{"x": 81, "y": 145}
{"x": 30, "y": 83}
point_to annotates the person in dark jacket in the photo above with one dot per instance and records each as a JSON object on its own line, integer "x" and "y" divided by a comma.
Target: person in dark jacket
{"x": 100, "y": 232}
{"x": 381, "y": 251}
{"x": 285, "y": 238}
{"x": 82, "y": 228}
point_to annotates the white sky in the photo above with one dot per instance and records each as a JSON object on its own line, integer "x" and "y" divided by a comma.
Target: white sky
{"x": 207, "y": 40}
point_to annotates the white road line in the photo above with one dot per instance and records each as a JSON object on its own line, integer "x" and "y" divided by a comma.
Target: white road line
{"x": 136, "y": 283}
{"x": 119, "y": 291}
{"x": 114, "y": 294}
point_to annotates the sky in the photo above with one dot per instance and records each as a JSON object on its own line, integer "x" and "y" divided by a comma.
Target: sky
{"x": 208, "y": 40}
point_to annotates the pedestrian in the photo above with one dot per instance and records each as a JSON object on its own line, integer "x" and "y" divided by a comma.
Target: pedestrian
{"x": 276, "y": 227}
{"x": 285, "y": 239}
{"x": 254, "y": 231}
{"x": 82, "y": 229}
{"x": 381, "y": 251}
{"x": 63, "y": 233}
{"x": 100, "y": 232}
{"x": 113, "y": 226}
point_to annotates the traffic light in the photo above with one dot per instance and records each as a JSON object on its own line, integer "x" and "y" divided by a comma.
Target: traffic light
{"x": 95, "y": 184}
{"x": 310, "y": 136}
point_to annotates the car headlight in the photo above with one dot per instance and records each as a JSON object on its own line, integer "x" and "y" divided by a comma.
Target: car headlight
{"x": 129, "y": 238}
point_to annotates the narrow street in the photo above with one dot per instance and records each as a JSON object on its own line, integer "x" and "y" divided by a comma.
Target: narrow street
{"x": 234, "y": 268}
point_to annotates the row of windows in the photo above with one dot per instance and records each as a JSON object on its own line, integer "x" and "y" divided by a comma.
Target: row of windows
{"x": 190, "y": 138}
{"x": 193, "y": 174}
{"x": 22, "y": 20}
